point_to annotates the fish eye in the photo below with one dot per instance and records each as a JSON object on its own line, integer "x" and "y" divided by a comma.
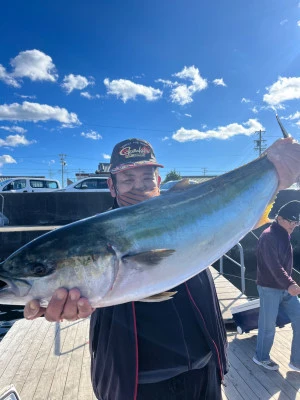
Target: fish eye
{"x": 39, "y": 269}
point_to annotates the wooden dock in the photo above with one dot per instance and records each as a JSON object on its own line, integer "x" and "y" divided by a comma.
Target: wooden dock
{"x": 51, "y": 361}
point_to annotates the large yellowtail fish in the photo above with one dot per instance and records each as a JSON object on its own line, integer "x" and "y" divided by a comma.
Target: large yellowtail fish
{"x": 133, "y": 253}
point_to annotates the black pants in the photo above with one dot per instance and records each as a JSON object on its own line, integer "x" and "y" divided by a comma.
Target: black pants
{"x": 199, "y": 384}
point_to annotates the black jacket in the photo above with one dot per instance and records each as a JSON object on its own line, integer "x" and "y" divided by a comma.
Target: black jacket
{"x": 114, "y": 337}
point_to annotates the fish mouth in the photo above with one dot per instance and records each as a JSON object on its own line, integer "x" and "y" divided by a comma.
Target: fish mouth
{"x": 13, "y": 287}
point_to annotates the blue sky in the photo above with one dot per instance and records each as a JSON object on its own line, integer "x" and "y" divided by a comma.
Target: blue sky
{"x": 195, "y": 78}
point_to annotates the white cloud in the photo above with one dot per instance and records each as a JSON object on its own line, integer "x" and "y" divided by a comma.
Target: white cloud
{"x": 106, "y": 156}
{"x": 282, "y": 90}
{"x": 167, "y": 82}
{"x": 7, "y": 159}
{"x": 35, "y": 65}
{"x": 128, "y": 90}
{"x": 165, "y": 138}
{"x": 18, "y": 129}
{"x": 72, "y": 82}
{"x": 16, "y": 140}
{"x": 188, "y": 115}
{"x": 7, "y": 78}
{"x": 36, "y": 112}
{"x": 219, "y": 82}
{"x": 183, "y": 93}
{"x": 87, "y": 95}
{"x": 222, "y": 132}
{"x": 91, "y": 135}
{"x": 296, "y": 115}
{"x": 254, "y": 110}
{"x": 244, "y": 100}
{"x": 298, "y": 23}
{"x": 23, "y": 96}
{"x": 283, "y": 22}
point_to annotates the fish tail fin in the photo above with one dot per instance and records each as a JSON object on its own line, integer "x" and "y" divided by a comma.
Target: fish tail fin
{"x": 265, "y": 217}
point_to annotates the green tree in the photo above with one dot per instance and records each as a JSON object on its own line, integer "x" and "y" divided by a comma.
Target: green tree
{"x": 172, "y": 176}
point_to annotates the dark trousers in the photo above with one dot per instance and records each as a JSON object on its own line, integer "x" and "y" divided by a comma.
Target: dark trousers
{"x": 198, "y": 384}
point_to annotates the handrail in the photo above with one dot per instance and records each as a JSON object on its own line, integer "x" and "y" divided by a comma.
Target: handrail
{"x": 2, "y": 203}
{"x": 241, "y": 265}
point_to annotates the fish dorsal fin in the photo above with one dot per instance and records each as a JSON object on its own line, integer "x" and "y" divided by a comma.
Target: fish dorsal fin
{"x": 265, "y": 217}
{"x": 181, "y": 185}
{"x": 159, "y": 297}
{"x": 151, "y": 257}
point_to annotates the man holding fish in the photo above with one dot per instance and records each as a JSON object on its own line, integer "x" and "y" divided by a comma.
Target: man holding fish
{"x": 172, "y": 349}
{"x": 175, "y": 349}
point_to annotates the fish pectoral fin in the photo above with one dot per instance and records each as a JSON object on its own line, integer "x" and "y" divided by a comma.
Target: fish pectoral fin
{"x": 151, "y": 257}
{"x": 265, "y": 217}
{"x": 156, "y": 298}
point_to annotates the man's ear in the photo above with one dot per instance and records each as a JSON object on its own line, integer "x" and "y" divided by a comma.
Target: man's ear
{"x": 111, "y": 187}
{"x": 158, "y": 181}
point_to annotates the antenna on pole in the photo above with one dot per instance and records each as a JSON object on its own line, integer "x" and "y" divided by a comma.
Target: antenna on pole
{"x": 284, "y": 132}
{"x": 63, "y": 164}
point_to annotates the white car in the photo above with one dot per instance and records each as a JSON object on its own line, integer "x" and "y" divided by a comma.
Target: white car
{"x": 168, "y": 185}
{"x": 28, "y": 185}
{"x": 92, "y": 184}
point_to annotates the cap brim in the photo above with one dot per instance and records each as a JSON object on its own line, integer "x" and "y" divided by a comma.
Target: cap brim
{"x": 126, "y": 167}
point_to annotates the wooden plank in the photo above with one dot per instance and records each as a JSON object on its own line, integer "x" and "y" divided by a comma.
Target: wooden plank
{"x": 64, "y": 357}
{"x": 12, "y": 345}
{"x": 256, "y": 389}
{"x": 38, "y": 364}
{"x": 74, "y": 374}
{"x": 46, "y": 379}
{"x": 85, "y": 387}
{"x": 21, "y": 362}
{"x": 11, "y": 228}
{"x": 243, "y": 347}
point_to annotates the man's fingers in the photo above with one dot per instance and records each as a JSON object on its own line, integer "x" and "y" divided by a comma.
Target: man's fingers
{"x": 33, "y": 310}
{"x": 70, "y": 311}
{"x": 56, "y": 305}
{"x": 84, "y": 308}
{"x": 64, "y": 304}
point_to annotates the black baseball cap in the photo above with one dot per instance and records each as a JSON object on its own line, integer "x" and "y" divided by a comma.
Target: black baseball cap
{"x": 290, "y": 211}
{"x": 132, "y": 153}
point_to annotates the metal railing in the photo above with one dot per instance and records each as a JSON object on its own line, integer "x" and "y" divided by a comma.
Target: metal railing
{"x": 241, "y": 265}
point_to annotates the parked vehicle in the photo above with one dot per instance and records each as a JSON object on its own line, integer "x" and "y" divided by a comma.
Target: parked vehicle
{"x": 168, "y": 185}
{"x": 27, "y": 184}
{"x": 92, "y": 184}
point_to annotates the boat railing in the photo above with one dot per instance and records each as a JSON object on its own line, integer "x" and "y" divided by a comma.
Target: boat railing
{"x": 241, "y": 264}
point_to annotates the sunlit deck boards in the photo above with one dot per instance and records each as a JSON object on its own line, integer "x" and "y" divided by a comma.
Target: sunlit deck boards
{"x": 248, "y": 381}
{"x": 51, "y": 361}
{"x": 47, "y": 361}
{"x": 229, "y": 296}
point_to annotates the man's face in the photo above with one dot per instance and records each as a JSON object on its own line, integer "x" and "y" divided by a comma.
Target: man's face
{"x": 141, "y": 179}
{"x": 289, "y": 226}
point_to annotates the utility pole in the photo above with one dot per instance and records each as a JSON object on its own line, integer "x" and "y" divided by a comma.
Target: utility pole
{"x": 63, "y": 164}
{"x": 260, "y": 142}
{"x": 204, "y": 170}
